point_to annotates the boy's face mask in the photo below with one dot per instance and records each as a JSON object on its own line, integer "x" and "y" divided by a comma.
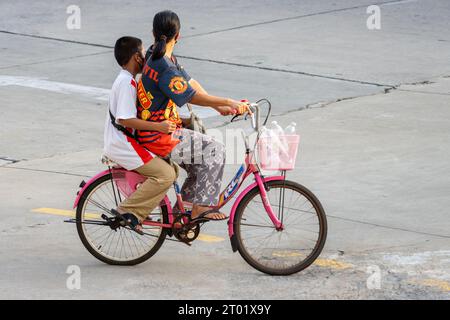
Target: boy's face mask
{"x": 141, "y": 58}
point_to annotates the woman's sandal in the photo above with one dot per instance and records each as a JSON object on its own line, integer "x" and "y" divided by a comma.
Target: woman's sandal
{"x": 202, "y": 216}
{"x": 129, "y": 220}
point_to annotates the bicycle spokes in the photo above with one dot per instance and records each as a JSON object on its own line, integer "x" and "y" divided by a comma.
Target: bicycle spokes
{"x": 104, "y": 232}
{"x": 278, "y": 250}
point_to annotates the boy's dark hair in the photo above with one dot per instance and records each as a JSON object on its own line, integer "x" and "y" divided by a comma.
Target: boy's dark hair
{"x": 125, "y": 48}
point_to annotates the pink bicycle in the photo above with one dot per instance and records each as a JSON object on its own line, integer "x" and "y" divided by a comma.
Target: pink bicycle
{"x": 278, "y": 226}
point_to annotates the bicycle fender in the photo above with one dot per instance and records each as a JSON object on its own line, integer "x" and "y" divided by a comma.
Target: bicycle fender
{"x": 84, "y": 185}
{"x": 231, "y": 221}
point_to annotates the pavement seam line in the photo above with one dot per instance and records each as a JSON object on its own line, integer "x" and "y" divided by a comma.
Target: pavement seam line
{"x": 46, "y": 171}
{"x": 308, "y": 74}
{"x": 320, "y": 104}
{"x": 223, "y": 30}
{"x": 308, "y": 106}
{"x": 388, "y": 227}
{"x": 55, "y": 39}
{"x": 54, "y": 60}
{"x": 315, "y": 75}
{"x": 8, "y": 161}
{"x": 425, "y": 92}
{"x": 286, "y": 19}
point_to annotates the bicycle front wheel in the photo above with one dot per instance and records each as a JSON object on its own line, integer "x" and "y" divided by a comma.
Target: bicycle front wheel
{"x": 286, "y": 251}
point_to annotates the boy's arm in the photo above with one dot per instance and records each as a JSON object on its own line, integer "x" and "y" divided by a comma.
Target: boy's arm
{"x": 139, "y": 124}
{"x": 126, "y": 113}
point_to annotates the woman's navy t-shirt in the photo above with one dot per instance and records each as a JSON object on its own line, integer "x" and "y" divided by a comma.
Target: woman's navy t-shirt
{"x": 164, "y": 85}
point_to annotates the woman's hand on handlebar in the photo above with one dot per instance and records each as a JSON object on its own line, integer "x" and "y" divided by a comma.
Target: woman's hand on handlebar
{"x": 240, "y": 107}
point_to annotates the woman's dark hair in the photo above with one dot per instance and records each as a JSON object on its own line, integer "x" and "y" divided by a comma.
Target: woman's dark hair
{"x": 166, "y": 25}
{"x": 125, "y": 48}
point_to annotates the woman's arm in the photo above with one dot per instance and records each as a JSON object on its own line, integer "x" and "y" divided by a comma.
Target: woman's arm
{"x": 224, "y": 109}
{"x": 139, "y": 124}
{"x": 205, "y": 100}
{"x": 197, "y": 86}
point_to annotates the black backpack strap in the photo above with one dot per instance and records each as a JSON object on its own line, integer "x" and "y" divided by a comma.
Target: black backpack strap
{"x": 119, "y": 127}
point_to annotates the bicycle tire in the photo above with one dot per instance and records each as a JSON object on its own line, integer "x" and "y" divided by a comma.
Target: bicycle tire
{"x": 97, "y": 255}
{"x": 319, "y": 244}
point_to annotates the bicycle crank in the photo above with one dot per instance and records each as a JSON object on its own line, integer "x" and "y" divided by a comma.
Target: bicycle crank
{"x": 184, "y": 230}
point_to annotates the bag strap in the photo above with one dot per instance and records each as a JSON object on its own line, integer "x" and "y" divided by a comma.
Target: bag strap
{"x": 196, "y": 123}
{"x": 119, "y": 127}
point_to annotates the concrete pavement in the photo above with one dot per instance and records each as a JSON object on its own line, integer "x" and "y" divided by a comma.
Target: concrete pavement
{"x": 371, "y": 107}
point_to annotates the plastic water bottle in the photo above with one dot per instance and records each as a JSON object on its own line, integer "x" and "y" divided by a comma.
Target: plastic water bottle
{"x": 264, "y": 131}
{"x": 271, "y": 153}
{"x": 290, "y": 129}
{"x": 277, "y": 128}
{"x": 279, "y": 140}
{"x": 279, "y": 133}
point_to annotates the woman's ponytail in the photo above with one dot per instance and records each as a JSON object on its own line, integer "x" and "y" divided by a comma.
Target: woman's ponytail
{"x": 166, "y": 26}
{"x": 159, "y": 49}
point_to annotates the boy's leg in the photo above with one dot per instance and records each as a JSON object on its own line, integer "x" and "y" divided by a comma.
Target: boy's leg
{"x": 160, "y": 176}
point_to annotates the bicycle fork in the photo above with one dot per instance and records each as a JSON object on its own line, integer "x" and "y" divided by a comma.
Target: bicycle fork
{"x": 262, "y": 189}
{"x": 259, "y": 183}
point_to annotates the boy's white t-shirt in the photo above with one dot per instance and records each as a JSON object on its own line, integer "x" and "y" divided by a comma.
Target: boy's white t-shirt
{"x": 123, "y": 150}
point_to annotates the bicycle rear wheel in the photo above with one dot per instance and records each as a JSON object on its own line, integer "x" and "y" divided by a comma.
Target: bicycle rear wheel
{"x": 116, "y": 246}
{"x": 287, "y": 251}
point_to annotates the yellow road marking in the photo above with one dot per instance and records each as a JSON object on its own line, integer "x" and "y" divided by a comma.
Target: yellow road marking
{"x": 333, "y": 264}
{"x": 209, "y": 238}
{"x": 327, "y": 263}
{"x": 71, "y": 213}
{"x": 65, "y": 213}
{"x": 286, "y": 254}
{"x": 440, "y": 284}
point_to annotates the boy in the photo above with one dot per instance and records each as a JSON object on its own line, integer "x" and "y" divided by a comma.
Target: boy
{"x": 120, "y": 145}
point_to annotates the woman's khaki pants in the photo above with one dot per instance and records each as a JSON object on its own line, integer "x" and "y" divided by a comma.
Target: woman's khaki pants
{"x": 160, "y": 176}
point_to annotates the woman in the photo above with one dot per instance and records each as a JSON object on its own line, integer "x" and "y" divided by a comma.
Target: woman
{"x": 164, "y": 85}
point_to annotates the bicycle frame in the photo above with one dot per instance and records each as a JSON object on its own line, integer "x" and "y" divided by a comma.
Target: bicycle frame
{"x": 244, "y": 171}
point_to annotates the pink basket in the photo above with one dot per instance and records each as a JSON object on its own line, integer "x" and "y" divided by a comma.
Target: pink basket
{"x": 278, "y": 153}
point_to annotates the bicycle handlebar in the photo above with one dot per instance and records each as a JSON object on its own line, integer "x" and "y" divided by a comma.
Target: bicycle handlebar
{"x": 254, "y": 107}
{"x": 255, "y": 116}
